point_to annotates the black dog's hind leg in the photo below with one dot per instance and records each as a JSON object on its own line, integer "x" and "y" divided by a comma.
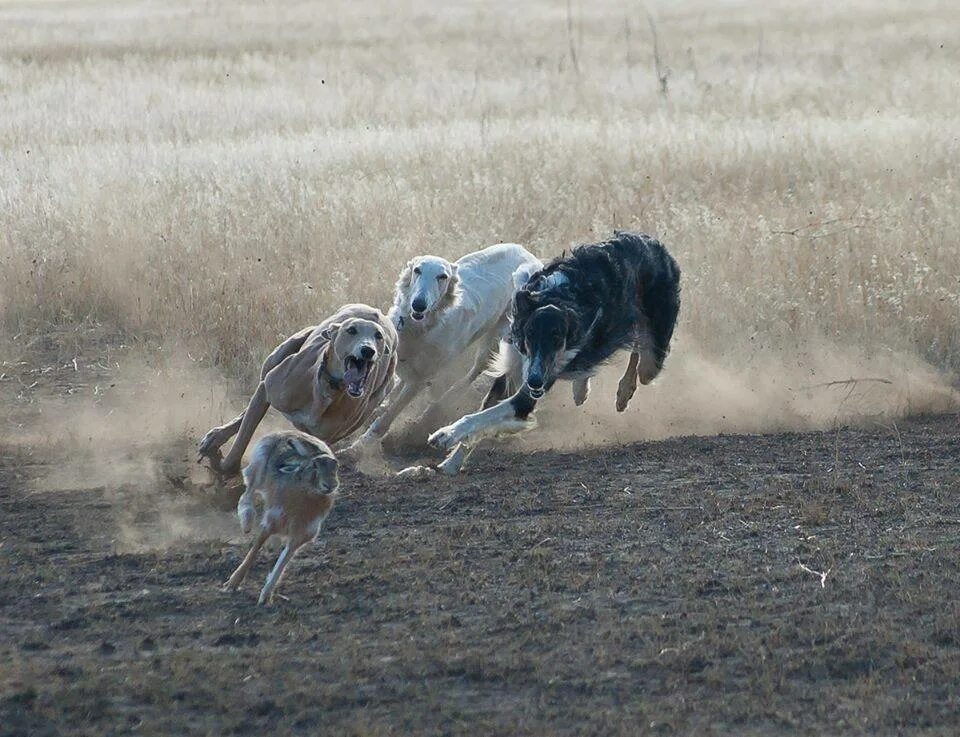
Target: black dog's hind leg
{"x": 661, "y": 305}
{"x": 628, "y": 382}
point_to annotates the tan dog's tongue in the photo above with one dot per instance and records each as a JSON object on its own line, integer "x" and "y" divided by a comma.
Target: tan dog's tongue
{"x": 355, "y": 377}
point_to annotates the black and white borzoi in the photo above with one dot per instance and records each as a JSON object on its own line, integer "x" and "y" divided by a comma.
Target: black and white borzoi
{"x": 571, "y": 317}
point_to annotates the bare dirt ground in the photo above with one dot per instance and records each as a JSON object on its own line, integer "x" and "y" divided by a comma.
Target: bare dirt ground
{"x": 790, "y": 583}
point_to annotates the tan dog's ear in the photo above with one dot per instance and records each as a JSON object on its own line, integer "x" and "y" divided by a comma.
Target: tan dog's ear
{"x": 330, "y": 332}
{"x": 455, "y": 268}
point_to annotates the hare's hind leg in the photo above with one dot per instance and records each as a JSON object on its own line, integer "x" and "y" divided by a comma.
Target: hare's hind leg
{"x": 273, "y": 579}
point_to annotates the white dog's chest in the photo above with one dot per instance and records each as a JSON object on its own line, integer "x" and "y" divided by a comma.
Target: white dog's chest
{"x": 429, "y": 353}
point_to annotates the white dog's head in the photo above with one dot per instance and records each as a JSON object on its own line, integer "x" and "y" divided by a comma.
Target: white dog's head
{"x": 428, "y": 285}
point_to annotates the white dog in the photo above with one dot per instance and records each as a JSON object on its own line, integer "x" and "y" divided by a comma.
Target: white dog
{"x": 442, "y": 309}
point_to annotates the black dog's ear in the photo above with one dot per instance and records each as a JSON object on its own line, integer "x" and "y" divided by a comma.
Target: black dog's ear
{"x": 524, "y": 302}
{"x": 592, "y": 327}
{"x": 572, "y": 322}
{"x": 576, "y": 330}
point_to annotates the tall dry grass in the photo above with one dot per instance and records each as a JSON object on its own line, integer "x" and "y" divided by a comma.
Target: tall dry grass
{"x": 220, "y": 174}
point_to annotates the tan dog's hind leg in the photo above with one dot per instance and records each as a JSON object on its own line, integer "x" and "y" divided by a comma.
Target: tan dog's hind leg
{"x": 291, "y": 548}
{"x": 244, "y": 568}
{"x": 628, "y": 383}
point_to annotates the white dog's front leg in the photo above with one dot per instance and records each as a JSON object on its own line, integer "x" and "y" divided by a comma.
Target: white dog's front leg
{"x": 452, "y": 464}
{"x": 366, "y": 448}
{"x": 395, "y": 404}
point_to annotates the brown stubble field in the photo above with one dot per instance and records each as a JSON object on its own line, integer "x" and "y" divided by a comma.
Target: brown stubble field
{"x": 790, "y": 583}
{"x": 184, "y": 184}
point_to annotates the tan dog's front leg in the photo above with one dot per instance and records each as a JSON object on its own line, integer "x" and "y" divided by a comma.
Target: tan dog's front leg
{"x": 251, "y": 418}
{"x": 209, "y": 446}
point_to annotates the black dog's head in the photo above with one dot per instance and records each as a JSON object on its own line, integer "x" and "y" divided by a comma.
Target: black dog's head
{"x": 548, "y": 335}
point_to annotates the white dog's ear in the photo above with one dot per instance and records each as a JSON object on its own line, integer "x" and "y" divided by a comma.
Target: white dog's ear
{"x": 404, "y": 282}
{"x": 330, "y": 332}
{"x": 454, "y": 288}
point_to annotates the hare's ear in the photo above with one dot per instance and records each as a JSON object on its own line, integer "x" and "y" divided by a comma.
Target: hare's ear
{"x": 330, "y": 332}
{"x": 303, "y": 447}
{"x": 328, "y": 463}
{"x": 290, "y": 468}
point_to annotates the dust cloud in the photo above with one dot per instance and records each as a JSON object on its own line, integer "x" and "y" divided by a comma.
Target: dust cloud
{"x": 133, "y": 439}
{"x": 809, "y": 386}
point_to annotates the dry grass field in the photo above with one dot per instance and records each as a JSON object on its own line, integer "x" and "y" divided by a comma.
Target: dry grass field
{"x": 182, "y": 184}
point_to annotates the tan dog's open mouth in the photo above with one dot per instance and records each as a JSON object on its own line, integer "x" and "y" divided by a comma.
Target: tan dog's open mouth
{"x": 355, "y": 375}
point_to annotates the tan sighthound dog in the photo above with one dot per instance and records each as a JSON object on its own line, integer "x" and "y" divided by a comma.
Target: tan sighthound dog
{"x": 296, "y": 476}
{"x": 327, "y": 380}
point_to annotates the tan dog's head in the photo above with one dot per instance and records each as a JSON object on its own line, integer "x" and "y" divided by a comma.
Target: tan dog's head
{"x": 356, "y": 346}
{"x": 427, "y": 284}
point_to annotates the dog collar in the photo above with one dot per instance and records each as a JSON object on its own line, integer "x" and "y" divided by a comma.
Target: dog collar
{"x": 335, "y": 383}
